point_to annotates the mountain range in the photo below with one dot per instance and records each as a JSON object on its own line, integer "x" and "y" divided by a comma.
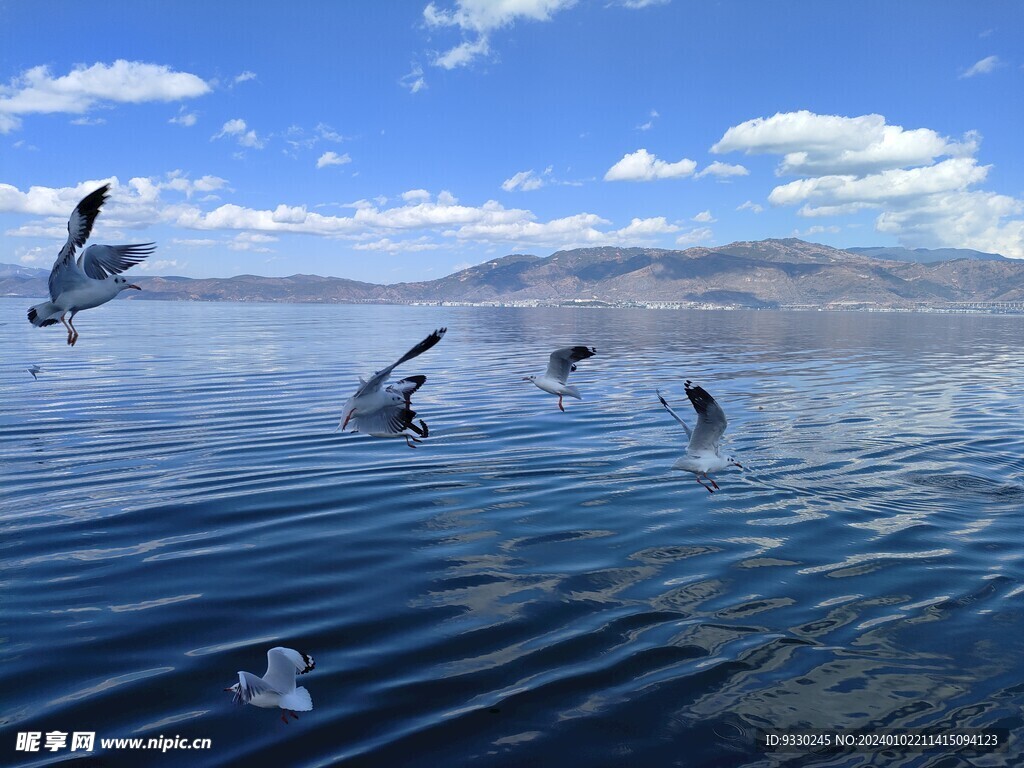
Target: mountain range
{"x": 763, "y": 274}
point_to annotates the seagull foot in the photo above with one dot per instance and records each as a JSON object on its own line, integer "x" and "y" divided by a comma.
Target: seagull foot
{"x": 284, "y": 718}
{"x": 714, "y": 484}
{"x": 293, "y": 715}
{"x": 560, "y": 406}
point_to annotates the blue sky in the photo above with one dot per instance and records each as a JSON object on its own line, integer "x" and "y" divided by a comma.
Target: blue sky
{"x": 402, "y": 140}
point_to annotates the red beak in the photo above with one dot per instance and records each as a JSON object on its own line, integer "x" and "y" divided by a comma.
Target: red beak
{"x": 345, "y": 423}
{"x": 137, "y": 288}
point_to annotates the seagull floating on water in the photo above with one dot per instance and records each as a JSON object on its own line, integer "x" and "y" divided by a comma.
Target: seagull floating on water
{"x": 381, "y": 411}
{"x": 277, "y": 687}
{"x": 93, "y": 279}
{"x": 35, "y": 369}
{"x": 562, "y": 363}
{"x": 702, "y": 452}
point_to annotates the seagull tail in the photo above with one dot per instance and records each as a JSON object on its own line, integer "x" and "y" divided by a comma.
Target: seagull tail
{"x": 44, "y": 314}
{"x": 298, "y": 700}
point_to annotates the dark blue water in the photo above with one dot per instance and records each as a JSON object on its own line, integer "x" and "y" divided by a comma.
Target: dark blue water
{"x": 528, "y": 587}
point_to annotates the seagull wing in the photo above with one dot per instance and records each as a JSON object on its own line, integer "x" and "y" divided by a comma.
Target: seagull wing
{"x": 392, "y": 419}
{"x": 101, "y": 261}
{"x": 249, "y": 686}
{"x": 561, "y": 363}
{"x": 282, "y": 666}
{"x": 382, "y": 375}
{"x": 65, "y": 272}
{"x": 674, "y": 414}
{"x": 711, "y": 421}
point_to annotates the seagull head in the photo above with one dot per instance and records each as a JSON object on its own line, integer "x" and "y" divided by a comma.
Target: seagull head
{"x": 122, "y": 284}
{"x": 733, "y": 462}
{"x": 348, "y": 413}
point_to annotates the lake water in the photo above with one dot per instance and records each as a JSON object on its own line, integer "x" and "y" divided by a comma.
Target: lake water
{"x": 528, "y": 587}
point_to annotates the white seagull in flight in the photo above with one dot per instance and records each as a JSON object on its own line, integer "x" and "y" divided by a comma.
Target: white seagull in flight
{"x": 702, "y": 454}
{"x": 562, "y": 363}
{"x": 93, "y": 279}
{"x": 381, "y": 411}
{"x": 277, "y": 687}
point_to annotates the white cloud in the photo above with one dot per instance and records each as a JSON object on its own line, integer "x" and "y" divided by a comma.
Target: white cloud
{"x": 643, "y": 166}
{"x": 919, "y": 181}
{"x": 817, "y": 229}
{"x": 704, "y": 217}
{"x": 722, "y": 170}
{"x": 388, "y": 246}
{"x": 195, "y": 242}
{"x": 37, "y": 91}
{"x": 694, "y": 236}
{"x": 820, "y": 144}
{"x": 645, "y": 229}
{"x": 244, "y": 77}
{"x": 525, "y": 181}
{"x": 413, "y": 195}
{"x": 332, "y": 158}
{"x": 983, "y": 67}
{"x": 89, "y": 121}
{"x": 414, "y": 79}
{"x": 478, "y": 19}
{"x": 887, "y": 186}
{"x": 184, "y": 118}
{"x": 638, "y": 4}
{"x": 245, "y": 137}
{"x": 37, "y": 256}
{"x": 252, "y": 241}
{"x": 160, "y": 265}
{"x": 750, "y": 205}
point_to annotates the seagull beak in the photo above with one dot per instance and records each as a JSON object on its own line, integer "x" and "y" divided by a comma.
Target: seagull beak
{"x": 137, "y": 288}
{"x": 229, "y": 690}
{"x": 345, "y": 422}
{"x": 526, "y": 378}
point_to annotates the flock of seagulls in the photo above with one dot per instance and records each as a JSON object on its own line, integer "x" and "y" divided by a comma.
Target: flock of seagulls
{"x": 377, "y": 409}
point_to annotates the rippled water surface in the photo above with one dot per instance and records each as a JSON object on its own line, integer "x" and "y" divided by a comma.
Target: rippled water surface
{"x": 528, "y": 587}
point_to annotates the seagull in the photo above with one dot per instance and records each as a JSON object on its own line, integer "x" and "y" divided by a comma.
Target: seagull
{"x": 277, "y": 687}
{"x": 35, "y": 369}
{"x": 93, "y": 279}
{"x": 702, "y": 451}
{"x": 381, "y": 411}
{"x": 562, "y": 363}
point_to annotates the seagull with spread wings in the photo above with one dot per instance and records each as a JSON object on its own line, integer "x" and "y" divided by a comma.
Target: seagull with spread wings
{"x": 381, "y": 411}
{"x": 93, "y": 279}
{"x": 560, "y": 365}
{"x": 702, "y": 452}
{"x": 277, "y": 687}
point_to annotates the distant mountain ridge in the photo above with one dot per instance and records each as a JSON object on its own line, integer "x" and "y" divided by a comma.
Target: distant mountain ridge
{"x": 763, "y": 274}
{"x": 926, "y": 255}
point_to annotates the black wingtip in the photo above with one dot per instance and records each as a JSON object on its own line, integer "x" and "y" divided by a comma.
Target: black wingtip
{"x": 310, "y": 663}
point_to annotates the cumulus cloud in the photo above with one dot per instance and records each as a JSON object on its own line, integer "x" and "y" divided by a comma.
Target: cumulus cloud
{"x": 704, "y": 217}
{"x": 722, "y": 170}
{"x": 524, "y": 181}
{"x": 478, "y": 19}
{"x": 643, "y": 166}
{"x": 750, "y": 205}
{"x": 184, "y": 118}
{"x": 983, "y": 67}
{"x": 821, "y": 144}
{"x": 919, "y": 181}
{"x": 332, "y": 158}
{"x": 695, "y": 236}
{"x": 419, "y": 222}
{"x": 38, "y": 91}
{"x": 240, "y": 130}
